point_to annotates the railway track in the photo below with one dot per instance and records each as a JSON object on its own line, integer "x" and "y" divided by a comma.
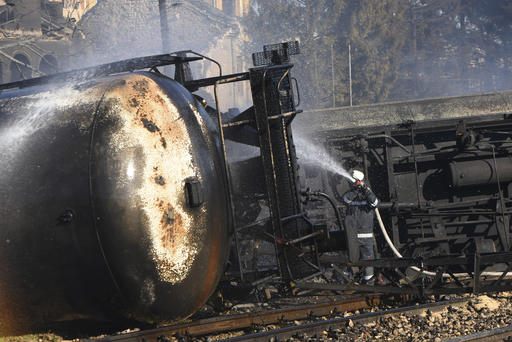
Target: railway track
{"x": 303, "y": 331}
{"x": 242, "y": 321}
{"x": 331, "y": 321}
{"x": 501, "y": 334}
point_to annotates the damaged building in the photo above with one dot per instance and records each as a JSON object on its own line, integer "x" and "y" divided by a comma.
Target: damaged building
{"x": 47, "y": 36}
{"x": 119, "y": 29}
{"x": 36, "y": 38}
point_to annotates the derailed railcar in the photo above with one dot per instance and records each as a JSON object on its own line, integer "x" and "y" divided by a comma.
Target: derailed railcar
{"x": 112, "y": 200}
{"x": 446, "y": 190}
{"x": 442, "y": 171}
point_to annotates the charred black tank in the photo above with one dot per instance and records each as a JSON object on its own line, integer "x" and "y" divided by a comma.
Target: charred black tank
{"x": 113, "y": 201}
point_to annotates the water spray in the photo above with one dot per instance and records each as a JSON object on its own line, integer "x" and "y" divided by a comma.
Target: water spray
{"x": 312, "y": 152}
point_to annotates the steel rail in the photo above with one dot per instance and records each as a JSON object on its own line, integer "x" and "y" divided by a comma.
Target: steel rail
{"x": 500, "y": 334}
{"x": 236, "y": 322}
{"x": 310, "y": 329}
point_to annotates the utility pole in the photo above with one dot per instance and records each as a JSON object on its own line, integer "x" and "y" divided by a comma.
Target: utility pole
{"x": 233, "y": 68}
{"x": 332, "y": 74}
{"x": 316, "y": 66}
{"x": 164, "y": 26}
{"x": 350, "y": 73}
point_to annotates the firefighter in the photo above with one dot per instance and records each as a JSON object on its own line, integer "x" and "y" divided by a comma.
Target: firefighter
{"x": 361, "y": 203}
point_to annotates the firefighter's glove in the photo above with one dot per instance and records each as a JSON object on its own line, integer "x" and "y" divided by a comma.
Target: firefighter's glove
{"x": 367, "y": 192}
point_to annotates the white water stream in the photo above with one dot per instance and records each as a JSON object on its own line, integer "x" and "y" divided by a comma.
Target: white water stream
{"x": 315, "y": 153}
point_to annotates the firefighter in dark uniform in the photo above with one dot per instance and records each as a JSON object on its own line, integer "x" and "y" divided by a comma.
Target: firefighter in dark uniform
{"x": 361, "y": 203}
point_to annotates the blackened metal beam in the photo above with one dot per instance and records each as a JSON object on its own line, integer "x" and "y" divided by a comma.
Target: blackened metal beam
{"x": 126, "y": 65}
{"x": 205, "y": 82}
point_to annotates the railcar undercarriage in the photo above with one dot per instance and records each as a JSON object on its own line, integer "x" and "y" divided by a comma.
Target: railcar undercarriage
{"x": 444, "y": 187}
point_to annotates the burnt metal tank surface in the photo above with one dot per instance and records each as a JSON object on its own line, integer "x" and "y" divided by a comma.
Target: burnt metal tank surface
{"x": 112, "y": 202}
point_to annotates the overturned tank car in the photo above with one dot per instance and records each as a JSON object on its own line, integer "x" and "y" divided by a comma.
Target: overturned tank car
{"x": 113, "y": 198}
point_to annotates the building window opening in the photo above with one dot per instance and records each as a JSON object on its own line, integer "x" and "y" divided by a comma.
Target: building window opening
{"x": 48, "y": 65}
{"x": 6, "y": 14}
{"x": 20, "y": 71}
